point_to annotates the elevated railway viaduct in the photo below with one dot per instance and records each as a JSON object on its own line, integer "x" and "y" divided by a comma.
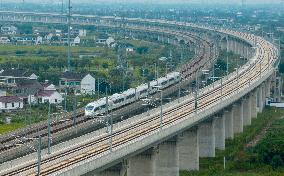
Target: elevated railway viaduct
{"x": 188, "y": 129}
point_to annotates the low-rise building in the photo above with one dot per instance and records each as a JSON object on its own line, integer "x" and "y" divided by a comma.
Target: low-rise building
{"x": 10, "y": 103}
{"x": 88, "y": 85}
{"x": 82, "y": 33}
{"x": 101, "y": 39}
{"x": 4, "y": 40}
{"x": 27, "y": 89}
{"x": 76, "y": 41}
{"x": 10, "y": 76}
{"x": 49, "y": 95}
{"x": 110, "y": 42}
{"x": 9, "y": 30}
{"x": 129, "y": 49}
{"x": 39, "y": 40}
{"x": 83, "y": 83}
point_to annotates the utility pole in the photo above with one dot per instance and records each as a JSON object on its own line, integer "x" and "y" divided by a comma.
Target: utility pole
{"x": 69, "y": 26}
{"x": 221, "y": 88}
{"x": 49, "y": 128}
{"x": 161, "y": 110}
{"x": 75, "y": 108}
{"x": 65, "y": 100}
{"x": 110, "y": 122}
{"x": 227, "y": 69}
{"x": 196, "y": 92}
{"x": 39, "y": 155}
{"x": 62, "y": 6}
{"x": 179, "y": 90}
{"x": 98, "y": 88}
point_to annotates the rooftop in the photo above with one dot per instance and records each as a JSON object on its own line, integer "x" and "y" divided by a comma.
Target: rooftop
{"x": 10, "y": 99}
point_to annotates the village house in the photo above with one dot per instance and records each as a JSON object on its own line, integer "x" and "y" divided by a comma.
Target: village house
{"x": 110, "y": 42}
{"x": 49, "y": 95}
{"x": 76, "y": 41}
{"x": 4, "y": 40}
{"x": 82, "y": 83}
{"x": 28, "y": 40}
{"x": 129, "y": 49}
{"x": 41, "y": 30}
{"x": 10, "y": 76}
{"x": 39, "y": 40}
{"x": 10, "y": 103}
{"x": 27, "y": 89}
{"x": 9, "y": 30}
{"x": 101, "y": 39}
{"x": 82, "y": 33}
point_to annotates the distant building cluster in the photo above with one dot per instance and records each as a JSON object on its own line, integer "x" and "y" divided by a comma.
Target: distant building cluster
{"x": 20, "y": 87}
{"x": 10, "y": 34}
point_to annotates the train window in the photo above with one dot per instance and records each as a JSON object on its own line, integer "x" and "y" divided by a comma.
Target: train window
{"x": 130, "y": 96}
{"x": 164, "y": 83}
{"x": 172, "y": 79}
{"x": 118, "y": 100}
{"x": 143, "y": 91}
{"x": 89, "y": 108}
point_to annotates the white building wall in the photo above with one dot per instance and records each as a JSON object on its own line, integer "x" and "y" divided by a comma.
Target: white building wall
{"x": 88, "y": 85}
{"x": 17, "y": 105}
{"x": 55, "y": 96}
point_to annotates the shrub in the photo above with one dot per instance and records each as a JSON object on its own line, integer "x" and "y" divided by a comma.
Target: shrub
{"x": 277, "y": 162}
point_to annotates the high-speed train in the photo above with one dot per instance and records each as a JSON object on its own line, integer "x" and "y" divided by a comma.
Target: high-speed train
{"x": 131, "y": 95}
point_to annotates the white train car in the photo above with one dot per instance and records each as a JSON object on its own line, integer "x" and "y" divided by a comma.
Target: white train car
{"x": 130, "y": 95}
{"x": 163, "y": 82}
{"x": 173, "y": 77}
{"x": 152, "y": 87}
{"x": 118, "y": 100}
{"x": 142, "y": 91}
{"x": 96, "y": 108}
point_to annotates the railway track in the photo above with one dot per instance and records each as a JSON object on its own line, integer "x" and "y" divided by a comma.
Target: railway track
{"x": 10, "y": 141}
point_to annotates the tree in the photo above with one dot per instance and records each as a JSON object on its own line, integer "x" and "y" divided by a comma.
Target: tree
{"x": 142, "y": 50}
{"x": 277, "y": 162}
{"x": 281, "y": 67}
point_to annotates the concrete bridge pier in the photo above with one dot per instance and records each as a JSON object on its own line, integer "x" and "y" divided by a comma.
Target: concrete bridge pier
{"x": 117, "y": 170}
{"x": 259, "y": 99}
{"x": 229, "y": 126}
{"x": 219, "y": 130}
{"x": 263, "y": 94}
{"x": 188, "y": 149}
{"x": 247, "y": 111}
{"x": 268, "y": 88}
{"x": 238, "y": 117}
{"x": 163, "y": 160}
{"x": 206, "y": 138}
{"x": 253, "y": 98}
{"x": 166, "y": 159}
{"x": 142, "y": 164}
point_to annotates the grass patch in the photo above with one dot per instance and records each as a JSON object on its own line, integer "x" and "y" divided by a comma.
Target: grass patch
{"x": 5, "y": 128}
{"x": 238, "y": 159}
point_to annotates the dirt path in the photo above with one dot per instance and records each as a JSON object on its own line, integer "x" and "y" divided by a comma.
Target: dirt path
{"x": 260, "y": 136}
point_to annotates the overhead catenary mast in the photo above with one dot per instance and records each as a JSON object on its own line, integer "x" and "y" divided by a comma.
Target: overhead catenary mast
{"x": 62, "y": 6}
{"x": 69, "y": 28}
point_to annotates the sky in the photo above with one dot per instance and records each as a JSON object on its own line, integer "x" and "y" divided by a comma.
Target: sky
{"x": 153, "y": 1}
